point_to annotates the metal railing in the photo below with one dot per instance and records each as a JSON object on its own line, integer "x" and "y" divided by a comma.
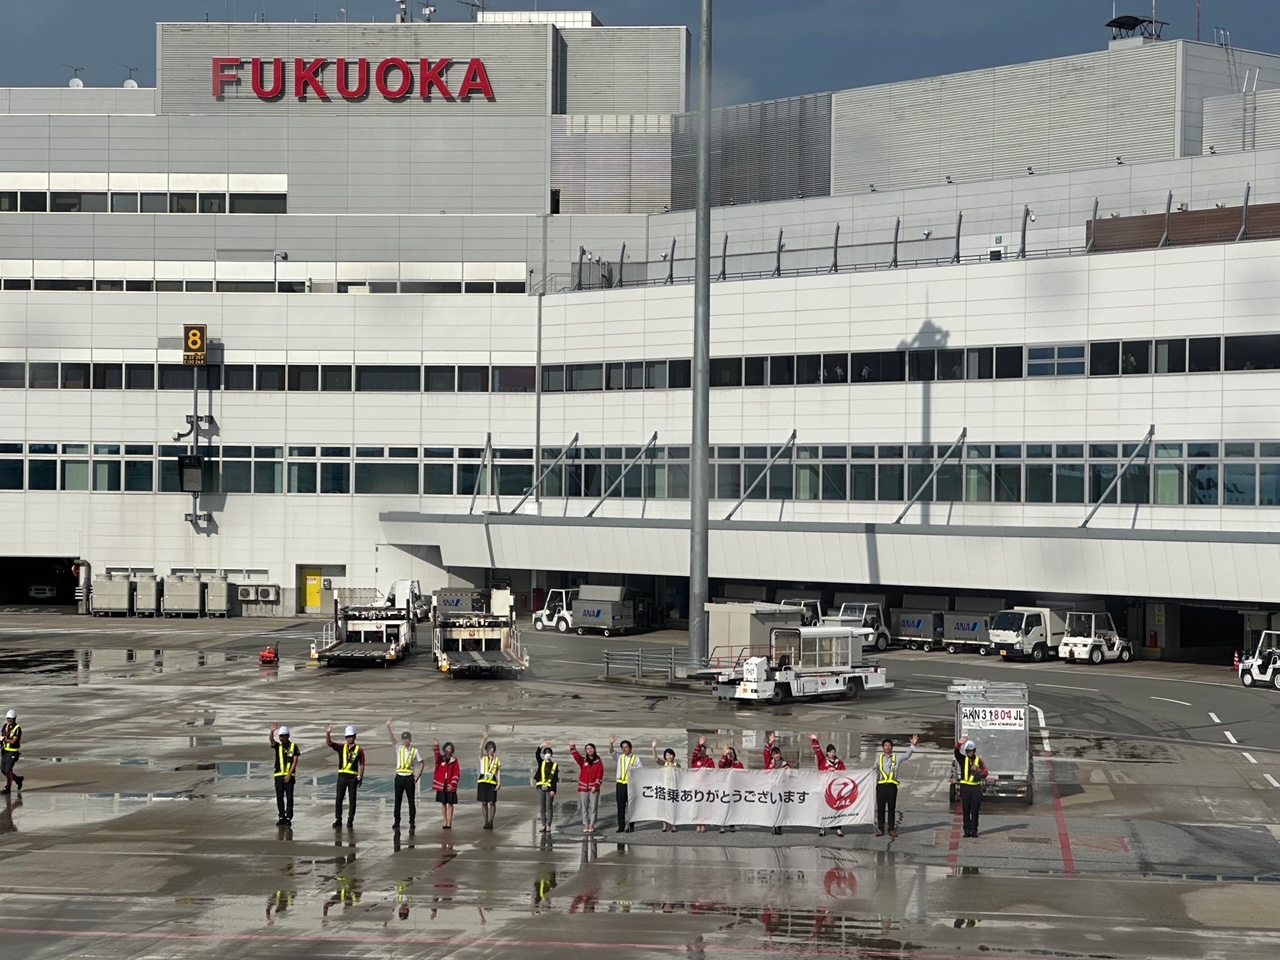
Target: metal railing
{"x": 666, "y": 664}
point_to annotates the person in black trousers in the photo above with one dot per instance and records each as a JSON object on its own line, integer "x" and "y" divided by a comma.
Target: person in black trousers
{"x": 285, "y": 753}
{"x": 350, "y": 772}
{"x": 973, "y": 772}
{"x": 886, "y": 770}
{"x": 407, "y": 759}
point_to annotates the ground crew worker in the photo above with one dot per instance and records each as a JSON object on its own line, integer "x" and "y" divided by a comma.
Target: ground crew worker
{"x": 729, "y": 761}
{"x": 444, "y": 781}
{"x": 286, "y": 755}
{"x": 546, "y": 777}
{"x": 590, "y": 777}
{"x": 827, "y": 761}
{"x": 10, "y": 750}
{"x": 350, "y": 772}
{"x": 627, "y": 761}
{"x": 701, "y": 759}
{"x": 886, "y": 769}
{"x": 972, "y": 773}
{"x": 489, "y": 780}
{"x": 407, "y": 760}
{"x": 773, "y": 760}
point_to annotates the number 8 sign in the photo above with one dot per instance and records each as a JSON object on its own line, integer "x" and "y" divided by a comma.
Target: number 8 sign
{"x": 195, "y": 344}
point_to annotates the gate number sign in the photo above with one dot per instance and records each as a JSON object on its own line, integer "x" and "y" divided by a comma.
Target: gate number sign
{"x": 195, "y": 344}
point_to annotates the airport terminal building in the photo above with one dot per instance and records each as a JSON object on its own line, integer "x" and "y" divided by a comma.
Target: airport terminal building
{"x": 1009, "y": 333}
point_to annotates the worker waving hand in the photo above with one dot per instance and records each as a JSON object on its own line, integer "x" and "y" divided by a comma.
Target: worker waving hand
{"x": 827, "y": 760}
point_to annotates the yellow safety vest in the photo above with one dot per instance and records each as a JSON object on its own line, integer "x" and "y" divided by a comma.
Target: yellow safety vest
{"x": 285, "y": 759}
{"x": 970, "y": 778}
{"x": 14, "y": 731}
{"x": 404, "y": 760}
{"x": 628, "y": 763}
{"x": 546, "y": 770}
{"x": 890, "y": 775}
{"x": 489, "y": 769}
{"x": 349, "y": 760}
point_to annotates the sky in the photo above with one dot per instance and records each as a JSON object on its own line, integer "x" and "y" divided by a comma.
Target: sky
{"x": 763, "y": 49}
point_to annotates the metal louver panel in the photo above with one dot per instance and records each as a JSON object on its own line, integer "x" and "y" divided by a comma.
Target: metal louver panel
{"x": 776, "y": 150}
{"x": 611, "y": 164}
{"x": 1067, "y": 113}
{"x": 625, "y": 70}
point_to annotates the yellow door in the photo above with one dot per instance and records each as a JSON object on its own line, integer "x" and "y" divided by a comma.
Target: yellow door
{"x": 311, "y": 589}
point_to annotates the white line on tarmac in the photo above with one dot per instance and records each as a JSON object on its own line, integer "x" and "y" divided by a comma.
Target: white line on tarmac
{"x": 1214, "y": 718}
{"x": 1248, "y": 757}
{"x": 1044, "y": 731}
{"x": 1230, "y": 737}
{"x": 1271, "y": 780}
{"x": 1063, "y": 686}
{"x": 1171, "y": 700}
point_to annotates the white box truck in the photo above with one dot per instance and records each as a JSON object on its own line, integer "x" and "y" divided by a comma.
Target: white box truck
{"x": 1032, "y": 633}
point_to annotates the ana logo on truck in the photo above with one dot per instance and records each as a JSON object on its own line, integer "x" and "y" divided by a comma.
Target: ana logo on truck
{"x": 593, "y": 614}
{"x": 972, "y": 627}
{"x": 913, "y": 623}
{"x": 451, "y": 602}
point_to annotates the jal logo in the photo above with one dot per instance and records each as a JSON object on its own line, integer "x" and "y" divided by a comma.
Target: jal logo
{"x": 842, "y": 793}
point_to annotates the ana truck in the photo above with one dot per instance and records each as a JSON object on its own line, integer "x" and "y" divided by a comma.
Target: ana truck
{"x": 474, "y": 634}
{"x": 603, "y": 610}
{"x": 366, "y": 634}
{"x": 968, "y": 629}
{"x": 918, "y": 629}
{"x": 801, "y": 663}
{"x": 869, "y": 615}
{"x": 1093, "y": 637}
{"x": 1033, "y": 633}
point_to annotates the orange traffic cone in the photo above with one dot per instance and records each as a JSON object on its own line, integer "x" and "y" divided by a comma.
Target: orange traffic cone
{"x": 1236, "y": 665}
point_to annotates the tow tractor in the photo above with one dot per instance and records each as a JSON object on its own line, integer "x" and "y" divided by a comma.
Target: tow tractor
{"x": 474, "y": 635}
{"x": 1263, "y": 665}
{"x": 270, "y": 657}
{"x": 859, "y": 614}
{"x": 1093, "y": 637}
{"x": 366, "y": 634}
{"x": 802, "y": 662}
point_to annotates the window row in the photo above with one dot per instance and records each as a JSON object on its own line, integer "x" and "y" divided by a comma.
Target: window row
{"x": 227, "y": 452}
{"x": 340, "y": 378}
{"x": 79, "y": 201}
{"x": 82, "y": 285}
{"x": 1194, "y": 483}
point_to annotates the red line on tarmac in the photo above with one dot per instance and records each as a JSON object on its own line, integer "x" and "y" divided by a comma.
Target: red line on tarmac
{"x": 810, "y": 949}
{"x": 1064, "y": 839}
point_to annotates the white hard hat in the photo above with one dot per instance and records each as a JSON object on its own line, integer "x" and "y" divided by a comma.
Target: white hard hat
{"x": 11, "y": 715}
{"x": 284, "y": 731}
{"x": 351, "y": 732}
{"x": 969, "y": 745}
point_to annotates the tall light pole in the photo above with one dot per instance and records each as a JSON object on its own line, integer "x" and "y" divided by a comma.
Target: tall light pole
{"x": 699, "y": 465}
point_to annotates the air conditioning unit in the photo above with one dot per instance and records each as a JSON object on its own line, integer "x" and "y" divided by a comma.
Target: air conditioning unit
{"x": 247, "y": 593}
{"x": 269, "y": 594}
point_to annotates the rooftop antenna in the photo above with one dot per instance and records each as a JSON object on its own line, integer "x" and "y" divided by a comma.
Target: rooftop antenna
{"x": 131, "y": 81}
{"x": 402, "y": 14}
{"x": 75, "y": 81}
{"x": 477, "y": 7}
{"x": 428, "y": 11}
{"x": 342, "y": 14}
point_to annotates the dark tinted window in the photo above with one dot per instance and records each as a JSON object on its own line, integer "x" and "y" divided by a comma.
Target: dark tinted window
{"x": 878, "y": 367}
{"x": 1259, "y": 352}
{"x": 1135, "y": 357}
{"x": 259, "y": 203}
{"x": 921, "y": 365}
{"x": 1008, "y": 363}
{"x": 304, "y": 377}
{"x": 335, "y": 380}
{"x": 473, "y": 379}
{"x": 270, "y": 376}
{"x": 75, "y": 376}
{"x": 42, "y": 376}
{"x": 139, "y": 376}
{"x": 108, "y": 376}
{"x": 238, "y": 376}
{"x": 1104, "y": 359}
{"x": 1171, "y": 356}
{"x": 726, "y": 372}
{"x": 389, "y": 379}
{"x": 518, "y": 379}
{"x": 679, "y": 374}
{"x": 754, "y": 371}
{"x": 440, "y": 379}
{"x": 1204, "y": 355}
{"x": 809, "y": 368}
{"x": 782, "y": 371}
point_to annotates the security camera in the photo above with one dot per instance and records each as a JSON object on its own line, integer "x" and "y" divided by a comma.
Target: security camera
{"x": 928, "y": 234}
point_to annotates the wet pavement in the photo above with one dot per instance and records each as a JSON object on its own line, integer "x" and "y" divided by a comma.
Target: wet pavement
{"x": 146, "y": 828}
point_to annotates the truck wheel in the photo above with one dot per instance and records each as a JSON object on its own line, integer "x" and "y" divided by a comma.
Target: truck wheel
{"x": 882, "y": 642}
{"x": 851, "y": 688}
{"x": 1095, "y": 655}
{"x": 952, "y": 648}
{"x": 1275, "y": 681}
{"x": 581, "y": 631}
{"x": 539, "y": 625}
{"x": 1126, "y": 654}
{"x": 1246, "y": 677}
{"x": 606, "y": 632}
{"x": 984, "y": 650}
{"x": 779, "y": 694}
{"x": 1038, "y": 653}
{"x": 562, "y": 625}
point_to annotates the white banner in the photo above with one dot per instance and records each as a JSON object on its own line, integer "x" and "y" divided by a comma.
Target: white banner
{"x": 993, "y": 718}
{"x": 759, "y": 798}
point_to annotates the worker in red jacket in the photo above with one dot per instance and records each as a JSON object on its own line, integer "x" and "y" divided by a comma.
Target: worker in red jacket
{"x": 590, "y": 777}
{"x": 701, "y": 759}
{"x": 773, "y": 755}
{"x": 729, "y": 761}
{"x": 445, "y": 780}
{"x": 827, "y": 761}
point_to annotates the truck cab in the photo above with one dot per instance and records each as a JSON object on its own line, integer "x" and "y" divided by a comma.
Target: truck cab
{"x": 1033, "y": 633}
{"x": 1262, "y": 666}
{"x": 811, "y": 611}
{"x": 1093, "y": 637}
{"x": 869, "y": 615}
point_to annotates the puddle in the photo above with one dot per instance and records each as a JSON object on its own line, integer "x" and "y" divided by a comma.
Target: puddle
{"x": 82, "y": 665}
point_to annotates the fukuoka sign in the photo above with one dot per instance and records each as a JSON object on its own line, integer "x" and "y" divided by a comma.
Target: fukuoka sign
{"x": 761, "y": 798}
{"x": 325, "y": 78}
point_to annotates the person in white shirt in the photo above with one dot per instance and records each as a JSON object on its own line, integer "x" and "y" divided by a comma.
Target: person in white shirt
{"x": 627, "y": 761}
{"x": 408, "y": 759}
{"x": 886, "y": 770}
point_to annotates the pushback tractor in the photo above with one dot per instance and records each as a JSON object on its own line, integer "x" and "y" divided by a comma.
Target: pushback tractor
{"x": 1262, "y": 667}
